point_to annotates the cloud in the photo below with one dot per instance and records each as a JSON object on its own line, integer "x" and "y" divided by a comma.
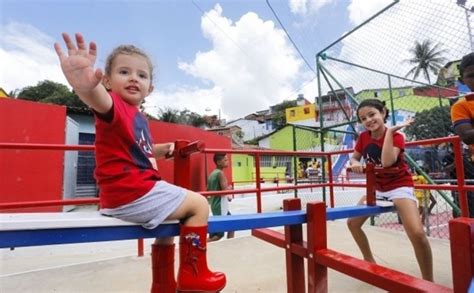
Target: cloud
{"x": 304, "y": 7}
{"x": 249, "y": 67}
{"x": 27, "y": 56}
{"x": 251, "y": 63}
{"x": 360, "y": 10}
{"x": 183, "y": 97}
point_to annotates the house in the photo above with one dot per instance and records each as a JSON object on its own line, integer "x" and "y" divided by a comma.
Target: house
{"x": 304, "y": 113}
{"x": 212, "y": 121}
{"x": 233, "y": 132}
{"x": 449, "y": 74}
{"x": 3, "y": 93}
{"x": 336, "y": 107}
{"x": 250, "y": 128}
{"x": 407, "y": 100}
{"x": 81, "y": 124}
{"x": 263, "y": 116}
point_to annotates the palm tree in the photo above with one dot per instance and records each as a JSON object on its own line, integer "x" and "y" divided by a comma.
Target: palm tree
{"x": 169, "y": 115}
{"x": 426, "y": 57}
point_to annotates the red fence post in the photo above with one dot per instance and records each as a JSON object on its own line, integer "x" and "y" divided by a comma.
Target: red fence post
{"x": 331, "y": 181}
{"x": 182, "y": 161}
{"x": 370, "y": 173}
{"x": 140, "y": 248}
{"x": 316, "y": 240}
{"x": 461, "y": 235}
{"x": 258, "y": 183}
{"x": 294, "y": 263}
{"x": 182, "y": 165}
{"x": 462, "y": 195}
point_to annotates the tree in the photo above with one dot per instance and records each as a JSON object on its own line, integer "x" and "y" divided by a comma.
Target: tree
{"x": 168, "y": 115}
{"x": 426, "y": 58}
{"x": 48, "y": 91}
{"x": 279, "y": 116}
{"x": 181, "y": 117}
{"x": 191, "y": 118}
{"x": 432, "y": 123}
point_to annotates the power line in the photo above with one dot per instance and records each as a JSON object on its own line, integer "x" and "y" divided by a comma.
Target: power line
{"x": 289, "y": 37}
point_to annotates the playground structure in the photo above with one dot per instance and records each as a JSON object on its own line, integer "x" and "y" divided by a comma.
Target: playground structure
{"x": 372, "y": 60}
{"x": 17, "y": 233}
{"x": 19, "y": 230}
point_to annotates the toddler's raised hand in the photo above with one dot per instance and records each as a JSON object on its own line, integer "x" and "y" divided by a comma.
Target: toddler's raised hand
{"x": 78, "y": 64}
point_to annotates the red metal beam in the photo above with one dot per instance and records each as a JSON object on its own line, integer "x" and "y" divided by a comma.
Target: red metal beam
{"x": 317, "y": 240}
{"x": 45, "y": 147}
{"x": 271, "y": 236}
{"x": 461, "y": 235}
{"x": 374, "y": 274}
{"x": 278, "y": 239}
{"x": 48, "y": 203}
{"x": 267, "y": 152}
{"x": 331, "y": 187}
{"x": 194, "y": 147}
{"x": 294, "y": 262}
{"x": 460, "y": 177}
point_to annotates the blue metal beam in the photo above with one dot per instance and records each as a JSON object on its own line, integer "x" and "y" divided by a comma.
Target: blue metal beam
{"x": 48, "y": 236}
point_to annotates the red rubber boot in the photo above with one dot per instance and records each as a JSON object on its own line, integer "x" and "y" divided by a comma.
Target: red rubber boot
{"x": 162, "y": 264}
{"x": 193, "y": 274}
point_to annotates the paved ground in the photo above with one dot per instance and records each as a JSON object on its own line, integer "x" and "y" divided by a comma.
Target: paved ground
{"x": 251, "y": 265}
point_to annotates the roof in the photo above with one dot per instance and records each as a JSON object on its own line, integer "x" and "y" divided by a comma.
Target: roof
{"x": 384, "y": 89}
{"x": 286, "y": 125}
{"x": 224, "y": 128}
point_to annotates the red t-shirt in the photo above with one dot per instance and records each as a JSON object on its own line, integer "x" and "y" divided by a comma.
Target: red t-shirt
{"x": 123, "y": 145}
{"x": 371, "y": 150}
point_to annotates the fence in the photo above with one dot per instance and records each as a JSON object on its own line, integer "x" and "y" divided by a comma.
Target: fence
{"x": 406, "y": 54}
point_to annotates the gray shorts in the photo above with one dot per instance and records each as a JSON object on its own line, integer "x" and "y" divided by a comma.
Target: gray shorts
{"x": 151, "y": 209}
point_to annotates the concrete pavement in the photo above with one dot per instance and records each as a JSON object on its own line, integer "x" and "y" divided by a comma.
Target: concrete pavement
{"x": 251, "y": 265}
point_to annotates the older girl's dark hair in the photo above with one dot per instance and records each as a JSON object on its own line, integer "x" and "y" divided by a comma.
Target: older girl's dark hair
{"x": 374, "y": 103}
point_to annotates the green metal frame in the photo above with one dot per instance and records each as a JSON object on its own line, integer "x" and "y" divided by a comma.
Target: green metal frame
{"x": 322, "y": 70}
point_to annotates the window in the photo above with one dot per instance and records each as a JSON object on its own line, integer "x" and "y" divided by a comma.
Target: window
{"x": 86, "y": 185}
{"x": 282, "y": 161}
{"x": 292, "y": 113}
{"x": 275, "y": 161}
{"x": 306, "y": 110}
{"x": 265, "y": 161}
{"x": 86, "y": 161}
{"x": 376, "y": 94}
{"x": 401, "y": 93}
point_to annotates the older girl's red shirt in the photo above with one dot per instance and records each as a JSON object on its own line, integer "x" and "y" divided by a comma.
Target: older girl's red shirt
{"x": 371, "y": 150}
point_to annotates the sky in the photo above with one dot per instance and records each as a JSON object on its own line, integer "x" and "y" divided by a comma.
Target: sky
{"x": 229, "y": 58}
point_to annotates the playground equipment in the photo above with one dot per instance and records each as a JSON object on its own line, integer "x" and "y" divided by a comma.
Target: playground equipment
{"x": 33, "y": 229}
